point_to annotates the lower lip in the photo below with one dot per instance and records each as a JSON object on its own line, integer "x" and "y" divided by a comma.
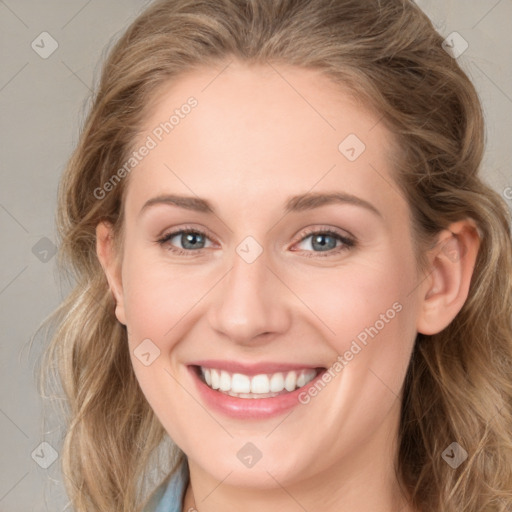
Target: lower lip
{"x": 249, "y": 408}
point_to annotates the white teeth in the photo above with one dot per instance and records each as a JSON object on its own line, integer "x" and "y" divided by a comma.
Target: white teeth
{"x": 225, "y": 381}
{"x": 215, "y": 379}
{"x": 290, "y": 381}
{"x": 240, "y": 383}
{"x": 207, "y": 376}
{"x": 277, "y": 382}
{"x": 257, "y": 386}
{"x": 260, "y": 384}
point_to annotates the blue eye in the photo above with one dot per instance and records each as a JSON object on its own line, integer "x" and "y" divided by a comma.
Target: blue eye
{"x": 326, "y": 241}
{"x": 191, "y": 240}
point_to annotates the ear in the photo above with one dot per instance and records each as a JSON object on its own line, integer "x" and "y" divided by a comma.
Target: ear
{"x": 110, "y": 262}
{"x": 447, "y": 286}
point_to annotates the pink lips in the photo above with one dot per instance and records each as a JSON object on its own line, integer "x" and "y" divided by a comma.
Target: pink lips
{"x": 249, "y": 408}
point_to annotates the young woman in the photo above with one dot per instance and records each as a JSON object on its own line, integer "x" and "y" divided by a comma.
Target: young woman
{"x": 285, "y": 262}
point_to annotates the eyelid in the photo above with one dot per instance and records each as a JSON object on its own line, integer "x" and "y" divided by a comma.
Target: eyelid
{"x": 322, "y": 229}
{"x": 186, "y": 227}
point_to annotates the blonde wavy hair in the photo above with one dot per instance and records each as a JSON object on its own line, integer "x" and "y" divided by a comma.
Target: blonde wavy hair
{"x": 458, "y": 386}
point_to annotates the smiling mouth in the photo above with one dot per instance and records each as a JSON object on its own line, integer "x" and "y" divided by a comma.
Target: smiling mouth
{"x": 263, "y": 385}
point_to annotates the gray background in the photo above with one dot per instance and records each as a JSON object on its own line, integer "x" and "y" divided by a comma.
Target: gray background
{"x": 42, "y": 104}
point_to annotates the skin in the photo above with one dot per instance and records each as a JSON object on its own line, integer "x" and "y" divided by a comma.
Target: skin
{"x": 254, "y": 140}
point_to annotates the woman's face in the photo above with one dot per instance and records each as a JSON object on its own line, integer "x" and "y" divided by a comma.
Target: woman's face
{"x": 263, "y": 162}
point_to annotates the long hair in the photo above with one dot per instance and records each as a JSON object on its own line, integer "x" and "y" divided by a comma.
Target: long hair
{"x": 458, "y": 386}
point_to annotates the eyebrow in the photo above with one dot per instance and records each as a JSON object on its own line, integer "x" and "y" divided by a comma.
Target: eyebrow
{"x": 298, "y": 203}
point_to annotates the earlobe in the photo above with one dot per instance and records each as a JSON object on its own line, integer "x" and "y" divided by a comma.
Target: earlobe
{"x": 447, "y": 285}
{"x": 109, "y": 261}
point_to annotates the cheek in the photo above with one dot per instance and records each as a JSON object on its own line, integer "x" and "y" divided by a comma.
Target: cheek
{"x": 366, "y": 314}
{"x": 349, "y": 300}
{"x": 158, "y": 305}
{"x": 158, "y": 297}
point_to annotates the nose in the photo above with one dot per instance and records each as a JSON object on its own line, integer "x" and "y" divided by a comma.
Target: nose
{"x": 251, "y": 304}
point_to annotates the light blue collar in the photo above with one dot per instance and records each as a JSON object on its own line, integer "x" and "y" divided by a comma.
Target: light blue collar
{"x": 169, "y": 498}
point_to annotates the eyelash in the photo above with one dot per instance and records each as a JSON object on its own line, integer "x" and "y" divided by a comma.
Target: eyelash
{"x": 348, "y": 243}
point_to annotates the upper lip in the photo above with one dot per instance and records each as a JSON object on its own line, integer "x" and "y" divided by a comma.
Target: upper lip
{"x": 252, "y": 368}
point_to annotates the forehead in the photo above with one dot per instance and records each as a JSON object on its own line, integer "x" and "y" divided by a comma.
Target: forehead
{"x": 259, "y": 132}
